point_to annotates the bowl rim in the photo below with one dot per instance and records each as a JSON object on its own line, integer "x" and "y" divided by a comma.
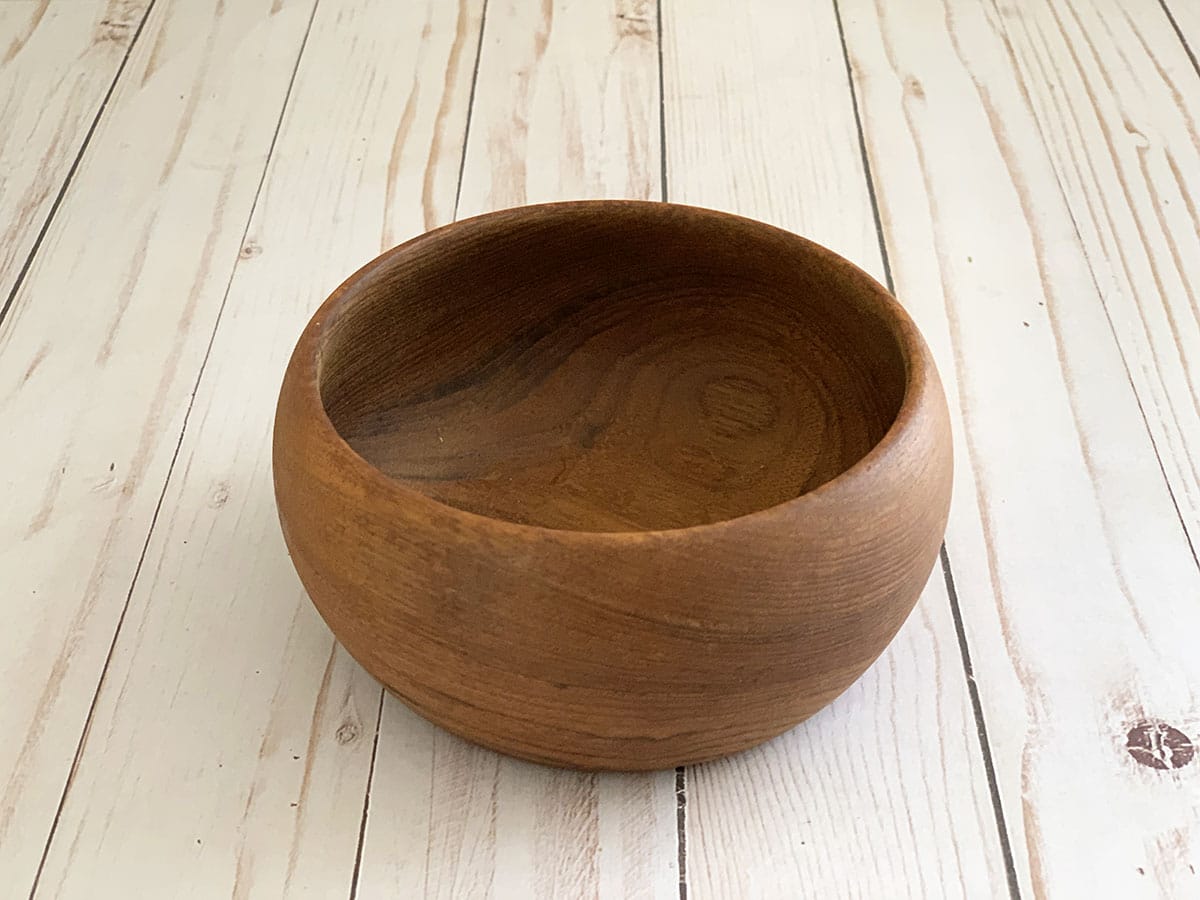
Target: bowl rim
{"x": 306, "y": 360}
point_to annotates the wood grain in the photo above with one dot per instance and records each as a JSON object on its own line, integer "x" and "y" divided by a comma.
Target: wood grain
{"x": 867, "y": 796}
{"x": 1117, "y": 101}
{"x": 557, "y": 84}
{"x": 774, "y": 402}
{"x": 1069, "y": 557}
{"x": 232, "y": 740}
{"x": 57, "y": 62}
{"x": 614, "y": 368}
{"x": 565, "y": 105}
{"x": 98, "y": 356}
{"x": 1033, "y": 163}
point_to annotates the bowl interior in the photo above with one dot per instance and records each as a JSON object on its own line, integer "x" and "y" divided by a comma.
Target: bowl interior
{"x": 612, "y": 367}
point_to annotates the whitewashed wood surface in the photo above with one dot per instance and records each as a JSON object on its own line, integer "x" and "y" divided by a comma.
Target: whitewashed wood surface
{"x": 57, "y": 66}
{"x": 183, "y": 181}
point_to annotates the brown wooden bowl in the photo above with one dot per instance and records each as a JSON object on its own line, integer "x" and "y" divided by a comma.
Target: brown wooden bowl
{"x": 613, "y": 485}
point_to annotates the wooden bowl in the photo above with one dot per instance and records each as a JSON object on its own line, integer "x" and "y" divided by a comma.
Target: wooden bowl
{"x": 613, "y": 485}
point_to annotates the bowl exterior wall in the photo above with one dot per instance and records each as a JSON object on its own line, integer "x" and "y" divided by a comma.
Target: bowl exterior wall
{"x": 612, "y": 651}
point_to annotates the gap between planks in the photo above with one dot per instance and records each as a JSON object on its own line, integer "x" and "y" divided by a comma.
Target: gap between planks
{"x": 462, "y": 163}
{"x": 664, "y": 195}
{"x": 362, "y": 825}
{"x": 1187, "y": 48}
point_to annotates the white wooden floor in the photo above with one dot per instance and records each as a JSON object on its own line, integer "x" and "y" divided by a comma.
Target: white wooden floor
{"x": 182, "y": 182}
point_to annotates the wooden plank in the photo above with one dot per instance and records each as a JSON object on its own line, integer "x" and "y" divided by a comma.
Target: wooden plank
{"x": 565, "y": 105}
{"x": 57, "y": 62}
{"x": 884, "y": 794}
{"x": 231, "y": 744}
{"x": 564, "y": 108}
{"x": 98, "y": 356}
{"x": 1076, "y": 578}
{"x": 1116, "y": 101}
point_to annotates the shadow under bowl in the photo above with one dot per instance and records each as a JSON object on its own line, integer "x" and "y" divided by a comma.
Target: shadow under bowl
{"x": 613, "y": 484}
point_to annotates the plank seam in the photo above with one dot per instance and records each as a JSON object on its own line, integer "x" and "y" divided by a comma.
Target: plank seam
{"x": 862, "y": 151}
{"x": 362, "y": 825}
{"x": 662, "y": 108}
{"x": 62, "y": 191}
{"x": 681, "y": 827}
{"x": 462, "y": 164}
{"x": 1187, "y": 48}
{"x": 79, "y": 748}
{"x": 947, "y": 573}
{"x": 680, "y": 771}
{"x": 985, "y": 746}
